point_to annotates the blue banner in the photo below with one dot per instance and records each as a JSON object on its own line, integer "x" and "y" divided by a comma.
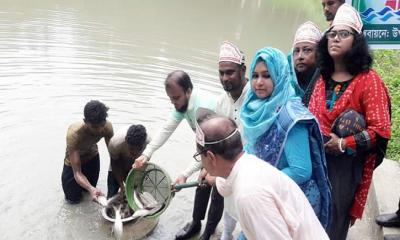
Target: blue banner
{"x": 381, "y": 19}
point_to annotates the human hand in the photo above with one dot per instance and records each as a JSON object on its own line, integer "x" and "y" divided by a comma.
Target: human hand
{"x": 210, "y": 180}
{"x": 140, "y": 161}
{"x": 95, "y": 193}
{"x": 102, "y": 200}
{"x": 179, "y": 180}
{"x": 332, "y": 146}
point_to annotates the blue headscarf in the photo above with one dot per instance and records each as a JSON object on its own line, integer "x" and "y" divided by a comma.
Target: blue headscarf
{"x": 257, "y": 115}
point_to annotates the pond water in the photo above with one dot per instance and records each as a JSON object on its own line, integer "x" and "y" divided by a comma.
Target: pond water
{"x": 57, "y": 55}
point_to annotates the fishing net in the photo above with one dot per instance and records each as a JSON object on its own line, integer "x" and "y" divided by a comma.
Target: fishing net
{"x": 156, "y": 183}
{"x": 151, "y": 179}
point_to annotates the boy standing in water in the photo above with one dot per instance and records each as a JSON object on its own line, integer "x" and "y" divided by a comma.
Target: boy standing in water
{"x": 124, "y": 148}
{"x": 82, "y": 162}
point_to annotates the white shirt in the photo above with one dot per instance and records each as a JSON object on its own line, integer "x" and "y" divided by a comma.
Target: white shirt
{"x": 226, "y": 106}
{"x": 269, "y": 204}
{"x": 197, "y": 99}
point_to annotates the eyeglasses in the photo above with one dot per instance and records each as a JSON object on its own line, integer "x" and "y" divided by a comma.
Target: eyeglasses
{"x": 342, "y": 34}
{"x": 197, "y": 155}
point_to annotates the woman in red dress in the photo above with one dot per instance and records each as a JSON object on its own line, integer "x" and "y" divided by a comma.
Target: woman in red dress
{"x": 349, "y": 84}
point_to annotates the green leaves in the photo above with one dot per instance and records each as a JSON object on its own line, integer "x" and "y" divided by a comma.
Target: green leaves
{"x": 387, "y": 64}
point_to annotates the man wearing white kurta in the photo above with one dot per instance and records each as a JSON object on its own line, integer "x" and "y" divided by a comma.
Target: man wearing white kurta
{"x": 232, "y": 70}
{"x": 268, "y": 204}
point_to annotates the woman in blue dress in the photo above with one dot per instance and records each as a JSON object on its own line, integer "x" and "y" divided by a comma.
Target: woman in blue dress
{"x": 282, "y": 132}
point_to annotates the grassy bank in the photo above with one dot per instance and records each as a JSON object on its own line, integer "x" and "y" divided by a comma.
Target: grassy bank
{"x": 387, "y": 63}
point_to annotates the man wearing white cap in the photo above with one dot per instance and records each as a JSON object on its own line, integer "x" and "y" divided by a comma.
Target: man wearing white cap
{"x": 304, "y": 58}
{"x": 269, "y": 204}
{"x": 352, "y": 105}
{"x": 232, "y": 70}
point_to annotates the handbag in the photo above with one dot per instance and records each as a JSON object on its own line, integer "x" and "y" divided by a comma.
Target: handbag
{"x": 348, "y": 123}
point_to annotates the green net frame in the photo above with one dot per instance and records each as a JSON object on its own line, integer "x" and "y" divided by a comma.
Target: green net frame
{"x": 152, "y": 179}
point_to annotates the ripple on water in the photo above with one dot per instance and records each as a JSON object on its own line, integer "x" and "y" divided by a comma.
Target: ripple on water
{"x": 49, "y": 73}
{"x": 56, "y": 56}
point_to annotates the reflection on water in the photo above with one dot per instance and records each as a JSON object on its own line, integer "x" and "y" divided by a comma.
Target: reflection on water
{"x": 57, "y": 55}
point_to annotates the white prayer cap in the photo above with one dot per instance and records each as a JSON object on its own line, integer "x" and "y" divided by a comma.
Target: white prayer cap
{"x": 230, "y": 53}
{"x": 307, "y": 32}
{"x": 199, "y": 136}
{"x": 348, "y": 16}
{"x": 203, "y": 114}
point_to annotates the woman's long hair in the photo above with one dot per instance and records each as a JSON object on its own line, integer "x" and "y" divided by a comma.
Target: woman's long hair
{"x": 356, "y": 60}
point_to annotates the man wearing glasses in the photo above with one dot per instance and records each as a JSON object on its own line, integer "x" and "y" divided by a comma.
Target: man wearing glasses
{"x": 268, "y": 204}
{"x": 82, "y": 162}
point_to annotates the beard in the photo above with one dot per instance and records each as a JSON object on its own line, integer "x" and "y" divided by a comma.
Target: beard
{"x": 231, "y": 86}
{"x": 329, "y": 17}
{"x": 227, "y": 86}
{"x": 182, "y": 109}
{"x": 304, "y": 77}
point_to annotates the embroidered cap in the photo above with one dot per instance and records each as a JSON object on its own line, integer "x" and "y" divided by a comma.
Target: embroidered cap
{"x": 348, "y": 16}
{"x": 203, "y": 114}
{"x": 199, "y": 135}
{"x": 307, "y": 32}
{"x": 228, "y": 52}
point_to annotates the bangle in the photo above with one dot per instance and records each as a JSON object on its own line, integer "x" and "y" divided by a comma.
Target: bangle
{"x": 340, "y": 145}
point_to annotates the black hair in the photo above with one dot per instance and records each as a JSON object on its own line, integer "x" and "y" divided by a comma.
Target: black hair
{"x": 95, "y": 112}
{"x": 136, "y": 135}
{"x": 181, "y": 78}
{"x": 358, "y": 59}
